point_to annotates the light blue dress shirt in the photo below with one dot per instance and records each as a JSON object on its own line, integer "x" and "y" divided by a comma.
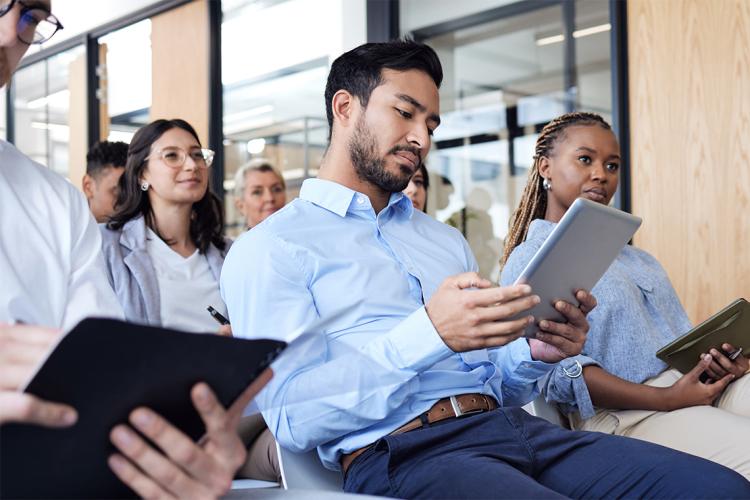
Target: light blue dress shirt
{"x": 350, "y": 287}
{"x": 637, "y": 313}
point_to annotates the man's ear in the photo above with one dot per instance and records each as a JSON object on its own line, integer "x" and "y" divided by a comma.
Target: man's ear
{"x": 343, "y": 106}
{"x": 544, "y": 167}
{"x": 88, "y": 186}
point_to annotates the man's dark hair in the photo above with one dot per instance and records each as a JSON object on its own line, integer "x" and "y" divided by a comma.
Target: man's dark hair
{"x": 359, "y": 71}
{"x": 105, "y": 154}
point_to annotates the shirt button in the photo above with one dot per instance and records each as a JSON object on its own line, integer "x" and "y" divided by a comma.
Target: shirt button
{"x": 360, "y": 200}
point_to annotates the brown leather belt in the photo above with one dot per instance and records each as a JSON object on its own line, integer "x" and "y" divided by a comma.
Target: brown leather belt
{"x": 452, "y": 407}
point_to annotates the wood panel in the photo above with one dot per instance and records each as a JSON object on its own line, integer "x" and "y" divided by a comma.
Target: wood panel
{"x": 77, "y": 120}
{"x": 104, "y": 99}
{"x": 180, "y": 76}
{"x": 690, "y": 144}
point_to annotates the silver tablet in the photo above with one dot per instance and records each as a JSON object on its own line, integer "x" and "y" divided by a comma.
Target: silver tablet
{"x": 575, "y": 255}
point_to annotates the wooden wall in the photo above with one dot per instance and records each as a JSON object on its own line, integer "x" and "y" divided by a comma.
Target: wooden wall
{"x": 689, "y": 63}
{"x": 78, "y": 142}
{"x": 180, "y": 77}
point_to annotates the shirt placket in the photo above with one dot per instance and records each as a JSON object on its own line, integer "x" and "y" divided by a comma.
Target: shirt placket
{"x": 404, "y": 261}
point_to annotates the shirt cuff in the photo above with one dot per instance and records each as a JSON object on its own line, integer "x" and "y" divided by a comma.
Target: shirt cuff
{"x": 527, "y": 369}
{"x": 418, "y": 343}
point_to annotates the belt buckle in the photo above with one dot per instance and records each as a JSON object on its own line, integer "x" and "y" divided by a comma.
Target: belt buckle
{"x": 457, "y": 410}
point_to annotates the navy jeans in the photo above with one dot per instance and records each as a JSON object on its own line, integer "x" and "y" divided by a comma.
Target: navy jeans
{"x": 507, "y": 453}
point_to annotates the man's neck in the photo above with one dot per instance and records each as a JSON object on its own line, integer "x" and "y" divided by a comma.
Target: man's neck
{"x": 337, "y": 167}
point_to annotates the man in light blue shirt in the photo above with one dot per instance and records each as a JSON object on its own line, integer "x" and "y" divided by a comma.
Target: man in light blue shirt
{"x": 396, "y": 334}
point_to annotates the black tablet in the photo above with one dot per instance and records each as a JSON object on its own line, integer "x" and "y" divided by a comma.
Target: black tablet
{"x": 106, "y": 368}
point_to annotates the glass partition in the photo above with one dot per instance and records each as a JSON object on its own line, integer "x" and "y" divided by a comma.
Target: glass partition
{"x": 504, "y": 79}
{"x": 43, "y": 109}
{"x": 125, "y": 79}
{"x": 273, "y": 101}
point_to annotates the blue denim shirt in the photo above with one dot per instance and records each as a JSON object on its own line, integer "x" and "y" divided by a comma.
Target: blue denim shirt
{"x": 349, "y": 286}
{"x": 637, "y": 313}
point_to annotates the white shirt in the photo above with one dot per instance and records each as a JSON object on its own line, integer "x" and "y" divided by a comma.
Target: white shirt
{"x": 52, "y": 272}
{"x": 186, "y": 288}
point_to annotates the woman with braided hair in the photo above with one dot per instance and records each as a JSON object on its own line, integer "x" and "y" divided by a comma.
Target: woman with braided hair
{"x": 617, "y": 385}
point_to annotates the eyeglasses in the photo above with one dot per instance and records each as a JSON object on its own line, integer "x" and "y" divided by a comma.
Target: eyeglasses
{"x": 35, "y": 24}
{"x": 176, "y": 157}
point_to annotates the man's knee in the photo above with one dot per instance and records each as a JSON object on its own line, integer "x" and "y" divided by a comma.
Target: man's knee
{"x": 684, "y": 475}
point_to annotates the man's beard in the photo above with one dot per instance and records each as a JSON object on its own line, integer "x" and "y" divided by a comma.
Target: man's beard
{"x": 4, "y": 68}
{"x": 363, "y": 151}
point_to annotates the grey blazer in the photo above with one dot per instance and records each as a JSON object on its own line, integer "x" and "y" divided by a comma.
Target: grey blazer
{"x": 131, "y": 272}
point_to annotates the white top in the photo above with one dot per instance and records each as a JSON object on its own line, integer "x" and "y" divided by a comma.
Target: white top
{"x": 186, "y": 287}
{"x": 52, "y": 272}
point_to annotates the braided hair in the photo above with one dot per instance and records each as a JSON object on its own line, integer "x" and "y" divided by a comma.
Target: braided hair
{"x": 534, "y": 199}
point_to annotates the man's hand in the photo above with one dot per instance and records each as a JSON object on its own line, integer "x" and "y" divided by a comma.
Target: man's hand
{"x": 22, "y": 348}
{"x": 181, "y": 468}
{"x": 690, "y": 391}
{"x": 557, "y": 341}
{"x": 24, "y": 408}
{"x": 721, "y": 365}
{"x": 477, "y": 319}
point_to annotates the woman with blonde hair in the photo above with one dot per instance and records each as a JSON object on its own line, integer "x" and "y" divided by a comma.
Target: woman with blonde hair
{"x": 259, "y": 191}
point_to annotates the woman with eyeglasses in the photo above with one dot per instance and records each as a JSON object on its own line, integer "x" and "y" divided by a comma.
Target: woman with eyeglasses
{"x": 164, "y": 245}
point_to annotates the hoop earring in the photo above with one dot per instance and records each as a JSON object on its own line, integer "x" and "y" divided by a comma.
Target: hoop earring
{"x": 144, "y": 186}
{"x": 546, "y": 184}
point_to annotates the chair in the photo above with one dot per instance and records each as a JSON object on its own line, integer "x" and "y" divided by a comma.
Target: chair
{"x": 304, "y": 471}
{"x": 252, "y": 484}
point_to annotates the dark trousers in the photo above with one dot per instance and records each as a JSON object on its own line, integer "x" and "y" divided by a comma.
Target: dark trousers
{"x": 507, "y": 453}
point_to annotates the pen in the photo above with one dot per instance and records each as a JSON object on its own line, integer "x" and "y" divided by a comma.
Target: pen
{"x": 734, "y": 354}
{"x": 217, "y": 316}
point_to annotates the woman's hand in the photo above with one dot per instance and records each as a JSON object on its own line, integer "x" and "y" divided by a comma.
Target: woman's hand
{"x": 721, "y": 365}
{"x": 690, "y": 391}
{"x": 557, "y": 341}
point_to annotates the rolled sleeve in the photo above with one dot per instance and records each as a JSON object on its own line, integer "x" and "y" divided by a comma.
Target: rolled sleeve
{"x": 521, "y": 373}
{"x": 567, "y": 387}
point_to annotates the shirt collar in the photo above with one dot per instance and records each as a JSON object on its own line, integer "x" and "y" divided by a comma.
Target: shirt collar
{"x": 339, "y": 199}
{"x": 539, "y": 229}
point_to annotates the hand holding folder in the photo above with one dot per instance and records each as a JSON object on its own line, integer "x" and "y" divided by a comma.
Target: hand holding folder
{"x": 106, "y": 369}
{"x": 730, "y": 328}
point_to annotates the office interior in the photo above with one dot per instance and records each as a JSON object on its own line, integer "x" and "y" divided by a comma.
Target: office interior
{"x": 671, "y": 76}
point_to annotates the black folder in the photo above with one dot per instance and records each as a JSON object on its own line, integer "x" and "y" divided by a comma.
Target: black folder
{"x": 106, "y": 368}
{"x": 730, "y": 325}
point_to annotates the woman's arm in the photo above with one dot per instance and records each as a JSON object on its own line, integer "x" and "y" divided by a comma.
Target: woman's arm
{"x": 609, "y": 391}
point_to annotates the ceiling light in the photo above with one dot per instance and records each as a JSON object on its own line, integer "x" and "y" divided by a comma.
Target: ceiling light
{"x": 256, "y": 146}
{"x": 549, "y": 40}
{"x": 259, "y": 110}
{"x": 57, "y": 99}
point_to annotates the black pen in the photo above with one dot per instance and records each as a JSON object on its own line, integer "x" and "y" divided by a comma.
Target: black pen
{"x": 217, "y": 316}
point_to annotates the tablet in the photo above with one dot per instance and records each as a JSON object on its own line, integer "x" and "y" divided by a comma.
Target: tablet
{"x": 105, "y": 369}
{"x": 730, "y": 325}
{"x": 575, "y": 255}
